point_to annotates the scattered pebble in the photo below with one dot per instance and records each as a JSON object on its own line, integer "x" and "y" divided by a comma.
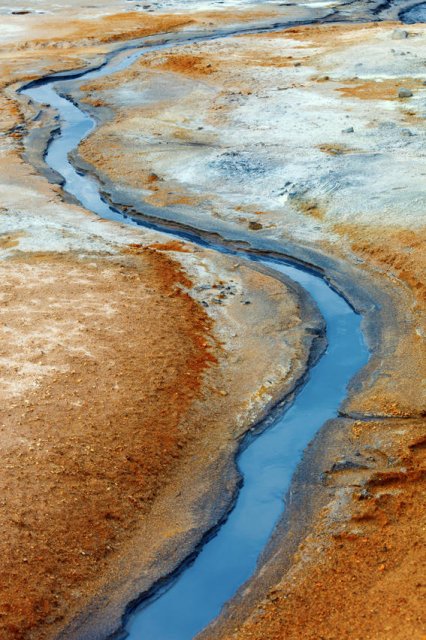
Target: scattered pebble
{"x": 255, "y": 226}
{"x": 348, "y": 130}
{"x": 404, "y": 93}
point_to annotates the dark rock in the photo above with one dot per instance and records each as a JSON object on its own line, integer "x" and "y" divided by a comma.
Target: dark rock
{"x": 347, "y": 465}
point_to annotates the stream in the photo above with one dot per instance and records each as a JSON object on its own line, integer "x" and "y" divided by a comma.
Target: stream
{"x": 414, "y": 14}
{"x": 193, "y": 598}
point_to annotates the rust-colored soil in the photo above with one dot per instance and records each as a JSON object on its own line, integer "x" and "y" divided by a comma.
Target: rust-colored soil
{"x": 112, "y": 357}
{"x": 126, "y": 26}
{"x": 378, "y": 89}
{"x": 194, "y": 65}
{"x": 400, "y": 250}
{"x": 103, "y": 360}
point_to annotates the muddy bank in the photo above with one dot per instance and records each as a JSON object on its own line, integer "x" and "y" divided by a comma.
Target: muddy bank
{"x": 129, "y": 364}
{"x": 121, "y": 389}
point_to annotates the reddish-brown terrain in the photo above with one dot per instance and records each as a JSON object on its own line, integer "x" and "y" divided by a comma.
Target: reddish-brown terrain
{"x": 85, "y": 453}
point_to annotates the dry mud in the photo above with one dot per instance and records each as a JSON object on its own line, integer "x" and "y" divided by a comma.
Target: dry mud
{"x": 299, "y": 141}
{"x": 128, "y": 364}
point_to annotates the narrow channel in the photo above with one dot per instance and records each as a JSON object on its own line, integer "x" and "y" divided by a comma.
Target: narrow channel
{"x": 190, "y": 601}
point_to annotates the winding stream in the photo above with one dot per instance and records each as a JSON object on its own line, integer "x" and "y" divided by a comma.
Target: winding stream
{"x": 189, "y": 602}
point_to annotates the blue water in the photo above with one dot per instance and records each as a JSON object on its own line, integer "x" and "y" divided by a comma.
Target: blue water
{"x": 267, "y": 465}
{"x": 197, "y": 596}
{"x": 415, "y": 14}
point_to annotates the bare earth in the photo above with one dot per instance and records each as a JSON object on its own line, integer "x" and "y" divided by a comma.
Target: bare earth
{"x": 250, "y": 133}
{"x": 130, "y": 363}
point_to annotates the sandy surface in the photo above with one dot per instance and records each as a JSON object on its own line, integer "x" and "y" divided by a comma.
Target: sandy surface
{"x": 130, "y": 366}
{"x": 301, "y": 139}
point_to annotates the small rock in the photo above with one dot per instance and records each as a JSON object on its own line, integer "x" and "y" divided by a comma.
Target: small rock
{"x": 255, "y": 226}
{"x": 364, "y": 495}
{"x": 347, "y": 465}
{"x": 404, "y": 93}
{"x": 399, "y": 34}
{"x": 297, "y": 64}
{"x": 348, "y": 130}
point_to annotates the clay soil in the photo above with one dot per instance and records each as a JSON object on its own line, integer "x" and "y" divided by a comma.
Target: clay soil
{"x": 111, "y": 383}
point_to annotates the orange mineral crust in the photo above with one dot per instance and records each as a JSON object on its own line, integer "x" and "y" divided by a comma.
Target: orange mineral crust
{"x": 123, "y": 350}
{"x": 112, "y": 383}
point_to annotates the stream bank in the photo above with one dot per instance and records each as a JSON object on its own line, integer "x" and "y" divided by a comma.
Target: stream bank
{"x": 374, "y": 297}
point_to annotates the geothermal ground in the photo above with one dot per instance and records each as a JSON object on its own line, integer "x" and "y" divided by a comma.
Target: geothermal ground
{"x": 132, "y": 362}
